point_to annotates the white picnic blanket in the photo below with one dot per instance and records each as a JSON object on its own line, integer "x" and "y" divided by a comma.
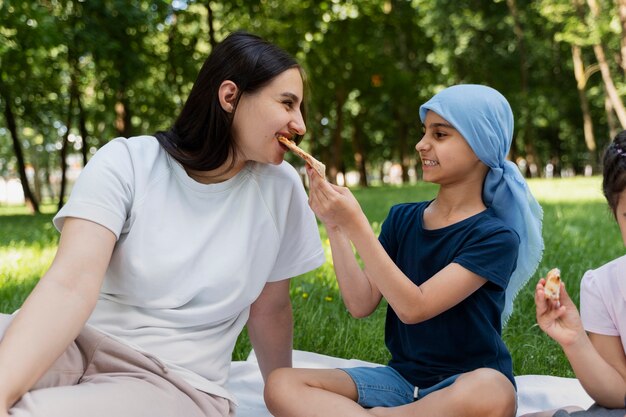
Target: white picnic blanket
{"x": 535, "y": 392}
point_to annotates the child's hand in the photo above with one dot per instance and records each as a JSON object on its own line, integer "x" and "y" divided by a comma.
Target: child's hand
{"x": 559, "y": 319}
{"x": 335, "y": 206}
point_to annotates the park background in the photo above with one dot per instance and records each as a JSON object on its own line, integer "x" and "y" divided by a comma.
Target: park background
{"x": 75, "y": 74}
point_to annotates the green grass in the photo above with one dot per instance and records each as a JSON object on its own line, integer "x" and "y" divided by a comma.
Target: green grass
{"x": 579, "y": 233}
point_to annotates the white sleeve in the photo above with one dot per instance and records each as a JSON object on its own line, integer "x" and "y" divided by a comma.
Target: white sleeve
{"x": 300, "y": 246}
{"x": 103, "y": 192}
{"x": 594, "y": 311}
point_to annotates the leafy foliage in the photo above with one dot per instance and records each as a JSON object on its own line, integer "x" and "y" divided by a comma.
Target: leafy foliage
{"x": 370, "y": 63}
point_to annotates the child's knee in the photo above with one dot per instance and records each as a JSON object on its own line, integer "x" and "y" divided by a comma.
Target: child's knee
{"x": 475, "y": 387}
{"x": 278, "y": 386}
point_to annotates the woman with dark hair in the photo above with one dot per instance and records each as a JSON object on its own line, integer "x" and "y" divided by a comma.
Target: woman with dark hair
{"x": 169, "y": 245}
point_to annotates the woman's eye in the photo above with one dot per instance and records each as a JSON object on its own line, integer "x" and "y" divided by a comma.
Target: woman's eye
{"x": 288, "y": 103}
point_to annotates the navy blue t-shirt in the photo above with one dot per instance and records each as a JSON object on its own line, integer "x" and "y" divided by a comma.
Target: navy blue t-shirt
{"x": 467, "y": 336}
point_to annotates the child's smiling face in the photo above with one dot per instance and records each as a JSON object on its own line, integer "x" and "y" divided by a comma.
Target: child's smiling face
{"x": 446, "y": 156}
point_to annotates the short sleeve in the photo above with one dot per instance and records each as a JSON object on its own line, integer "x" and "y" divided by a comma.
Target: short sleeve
{"x": 388, "y": 237}
{"x": 300, "y": 246}
{"x": 594, "y": 313}
{"x": 492, "y": 255}
{"x": 103, "y": 192}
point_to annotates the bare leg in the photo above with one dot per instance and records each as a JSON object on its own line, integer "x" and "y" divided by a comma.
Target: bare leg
{"x": 550, "y": 413}
{"x": 312, "y": 393}
{"x": 480, "y": 393}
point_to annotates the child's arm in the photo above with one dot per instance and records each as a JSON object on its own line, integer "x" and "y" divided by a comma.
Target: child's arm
{"x": 337, "y": 208}
{"x": 598, "y": 361}
{"x": 359, "y": 293}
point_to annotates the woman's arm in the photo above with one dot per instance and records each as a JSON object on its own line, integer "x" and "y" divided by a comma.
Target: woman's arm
{"x": 56, "y": 310}
{"x": 597, "y": 360}
{"x": 270, "y": 327}
{"x": 337, "y": 208}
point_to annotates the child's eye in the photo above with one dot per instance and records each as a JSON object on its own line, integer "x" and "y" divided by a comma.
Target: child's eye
{"x": 439, "y": 135}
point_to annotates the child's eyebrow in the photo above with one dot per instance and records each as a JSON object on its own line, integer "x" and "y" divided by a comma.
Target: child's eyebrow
{"x": 446, "y": 125}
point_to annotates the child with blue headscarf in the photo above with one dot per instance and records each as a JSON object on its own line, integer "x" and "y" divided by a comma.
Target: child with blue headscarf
{"x": 448, "y": 268}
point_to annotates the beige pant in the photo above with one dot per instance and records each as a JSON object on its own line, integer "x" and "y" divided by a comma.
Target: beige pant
{"x": 100, "y": 377}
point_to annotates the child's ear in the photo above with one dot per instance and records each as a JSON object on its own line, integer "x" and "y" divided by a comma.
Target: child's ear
{"x": 227, "y": 95}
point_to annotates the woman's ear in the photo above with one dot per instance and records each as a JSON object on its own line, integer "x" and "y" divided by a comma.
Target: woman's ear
{"x": 227, "y": 94}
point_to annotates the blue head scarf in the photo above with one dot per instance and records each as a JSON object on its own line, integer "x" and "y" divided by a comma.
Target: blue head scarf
{"x": 484, "y": 118}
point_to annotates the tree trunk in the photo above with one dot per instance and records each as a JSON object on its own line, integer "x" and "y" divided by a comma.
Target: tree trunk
{"x": 210, "y": 19}
{"x": 36, "y": 181}
{"x": 402, "y": 140}
{"x": 48, "y": 182}
{"x": 65, "y": 145}
{"x": 610, "y": 117}
{"x": 122, "y": 114}
{"x": 336, "y": 140}
{"x": 525, "y": 134}
{"x": 31, "y": 201}
{"x": 611, "y": 91}
{"x": 581, "y": 81}
{"x": 82, "y": 126}
{"x": 359, "y": 150}
{"x": 621, "y": 6}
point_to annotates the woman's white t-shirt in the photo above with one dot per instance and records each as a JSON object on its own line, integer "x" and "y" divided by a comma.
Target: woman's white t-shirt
{"x": 190, "y": 258}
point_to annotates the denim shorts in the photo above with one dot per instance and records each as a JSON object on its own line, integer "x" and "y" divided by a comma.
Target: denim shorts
{"x": 383, "y": 386}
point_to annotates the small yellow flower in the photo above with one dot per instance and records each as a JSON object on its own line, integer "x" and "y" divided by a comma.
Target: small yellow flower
{"x": 327, "y": 298}
{"x": 305, "y": 295}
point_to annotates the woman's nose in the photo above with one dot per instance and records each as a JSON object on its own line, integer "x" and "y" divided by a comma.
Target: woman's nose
{"x": 297, "y": 125}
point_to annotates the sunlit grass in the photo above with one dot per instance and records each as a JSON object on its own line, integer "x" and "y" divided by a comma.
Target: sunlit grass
{"x": 27, "y": 245}
{"x": 579, "y": 233}
{"x": 575, "y": 189}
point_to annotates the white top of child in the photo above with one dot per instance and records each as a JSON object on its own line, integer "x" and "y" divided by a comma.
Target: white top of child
{"x": 603, "y": 299}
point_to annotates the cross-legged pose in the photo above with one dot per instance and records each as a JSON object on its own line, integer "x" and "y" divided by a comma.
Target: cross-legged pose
{"x": 443, "y": 266}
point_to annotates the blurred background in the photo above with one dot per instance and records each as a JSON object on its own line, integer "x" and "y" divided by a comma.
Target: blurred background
{"x": 75, "y": 74}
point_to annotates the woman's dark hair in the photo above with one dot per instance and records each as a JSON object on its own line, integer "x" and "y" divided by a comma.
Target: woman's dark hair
{"x": 614, "y": 176}
{"x": 201, "y": 137}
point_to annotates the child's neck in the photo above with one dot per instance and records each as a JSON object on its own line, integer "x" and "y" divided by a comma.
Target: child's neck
{"x": 452, "y": 206}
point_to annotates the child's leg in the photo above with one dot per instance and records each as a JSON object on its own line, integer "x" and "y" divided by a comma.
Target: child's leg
{"x": 480, "y": 393}
{"x": 552, "y": 413}
{"x": 312, "y": 392}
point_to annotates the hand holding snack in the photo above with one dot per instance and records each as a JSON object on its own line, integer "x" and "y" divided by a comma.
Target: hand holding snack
{"x": 335, "y": 206}
{"x": 559, "y": 317}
